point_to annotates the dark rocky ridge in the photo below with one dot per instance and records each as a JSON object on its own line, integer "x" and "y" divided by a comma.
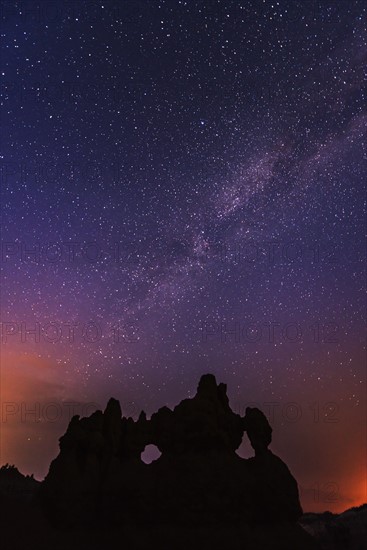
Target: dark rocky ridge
{"x": 15, "y": 485}
{"x": 199, "y": 487}
{"x": 338, "y": 531}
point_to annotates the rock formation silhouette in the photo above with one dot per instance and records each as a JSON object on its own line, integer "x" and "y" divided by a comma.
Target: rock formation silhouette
{"x": 198, "y": 482}
{"x": 15, "y": 484}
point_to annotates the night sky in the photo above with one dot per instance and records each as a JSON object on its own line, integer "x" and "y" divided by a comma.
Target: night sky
{"x": 182, "y": 192}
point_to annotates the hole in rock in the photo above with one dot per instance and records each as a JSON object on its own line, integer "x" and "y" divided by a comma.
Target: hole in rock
{"x": 150, "y": 453}
{"x": 245, "y": 450}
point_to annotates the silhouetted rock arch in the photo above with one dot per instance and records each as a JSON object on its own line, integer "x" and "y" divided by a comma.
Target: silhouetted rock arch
{"x": 198, "y": 480}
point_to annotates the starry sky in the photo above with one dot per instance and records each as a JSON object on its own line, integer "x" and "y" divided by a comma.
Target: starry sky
{"x": 182, "y": 192}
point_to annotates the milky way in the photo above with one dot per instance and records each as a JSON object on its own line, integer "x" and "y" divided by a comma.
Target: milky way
{"x": 183, "y": 192}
